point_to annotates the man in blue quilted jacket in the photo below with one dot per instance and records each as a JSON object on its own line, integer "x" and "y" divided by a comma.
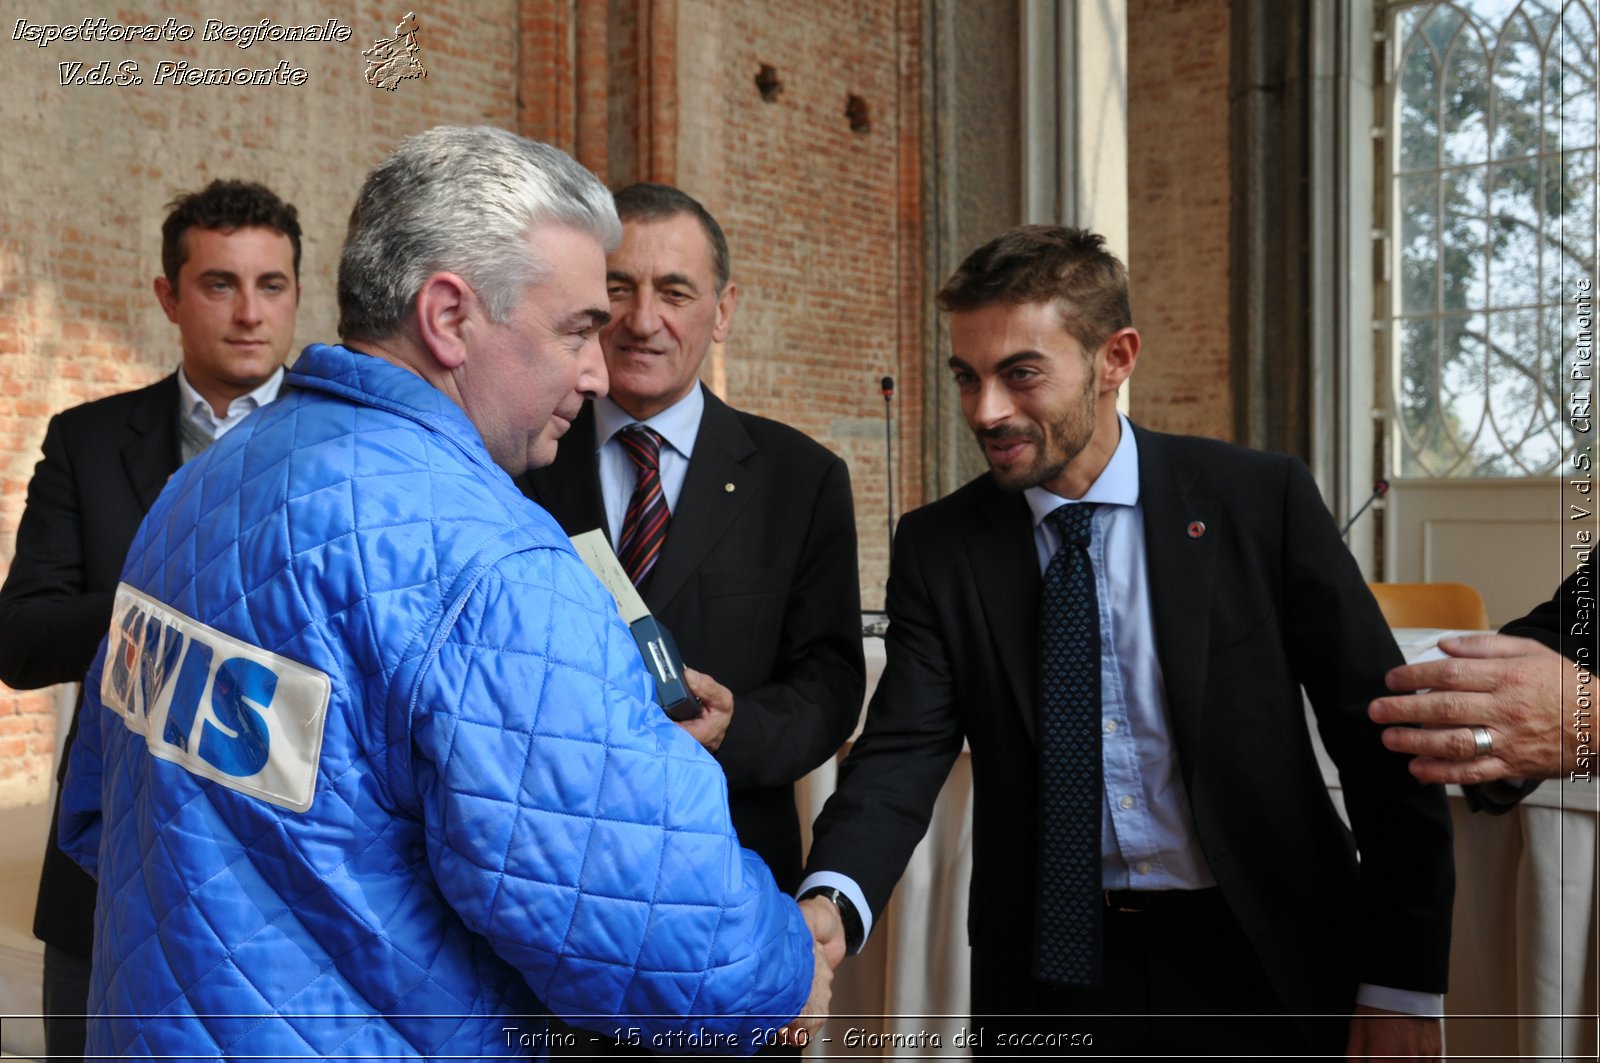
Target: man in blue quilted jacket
{"x": 369, "y": 765}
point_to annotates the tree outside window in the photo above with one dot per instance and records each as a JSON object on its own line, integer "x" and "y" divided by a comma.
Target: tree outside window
{"x": 1492, "y": 207}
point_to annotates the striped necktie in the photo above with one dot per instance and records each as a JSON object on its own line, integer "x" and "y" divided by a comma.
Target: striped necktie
{"x": 644, "y": 528}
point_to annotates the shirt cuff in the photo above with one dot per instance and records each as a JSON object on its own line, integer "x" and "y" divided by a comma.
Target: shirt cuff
{"x": 847, "y": 886}
{"x": 1404, "y": 1001}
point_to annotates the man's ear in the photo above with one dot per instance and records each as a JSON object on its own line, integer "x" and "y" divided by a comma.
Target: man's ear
{"x": 446, "y": 309}
{"x": 1121, "y": 351}
{"x": 725, "y": 304}
{"x": 167, "y": 298}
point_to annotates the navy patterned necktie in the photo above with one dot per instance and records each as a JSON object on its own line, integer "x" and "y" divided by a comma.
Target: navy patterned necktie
{"x": 1067, "y": 918}
{"x": 644, "y": 527}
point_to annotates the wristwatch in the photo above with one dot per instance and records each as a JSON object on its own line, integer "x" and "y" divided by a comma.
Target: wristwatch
{"x": 848, "y": 916}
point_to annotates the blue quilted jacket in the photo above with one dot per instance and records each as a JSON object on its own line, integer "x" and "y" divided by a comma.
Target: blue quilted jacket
{"x": 368, "y": 766}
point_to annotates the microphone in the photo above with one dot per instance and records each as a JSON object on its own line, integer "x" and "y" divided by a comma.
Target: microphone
{"x": 1379, "y": 489}
{"x": 887, "y": 387}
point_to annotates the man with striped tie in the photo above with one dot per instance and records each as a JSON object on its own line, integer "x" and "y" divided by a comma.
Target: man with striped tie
{"x": 739, "y": 531}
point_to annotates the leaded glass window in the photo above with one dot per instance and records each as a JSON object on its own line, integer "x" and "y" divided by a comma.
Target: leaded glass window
{"x": 1491, "y": 196}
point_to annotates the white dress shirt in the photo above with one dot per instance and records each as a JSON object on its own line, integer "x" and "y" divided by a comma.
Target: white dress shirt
{"x": 199, "y": 411}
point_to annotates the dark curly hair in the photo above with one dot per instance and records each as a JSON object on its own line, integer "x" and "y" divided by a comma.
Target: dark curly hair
{"x": 226, "y": 206}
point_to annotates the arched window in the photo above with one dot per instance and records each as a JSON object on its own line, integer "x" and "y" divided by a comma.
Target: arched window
{"x": 1490, "y": 201}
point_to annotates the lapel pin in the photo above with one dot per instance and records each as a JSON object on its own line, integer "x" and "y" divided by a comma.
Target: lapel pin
{"x": 728, "y": 488}
{"x": 1196, "y": 529}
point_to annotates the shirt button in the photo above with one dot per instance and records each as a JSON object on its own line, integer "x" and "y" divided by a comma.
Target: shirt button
{"x": 1111, "y": 727}
{"x": 1126, "y": 802}
{"x": 1143, "y": 867}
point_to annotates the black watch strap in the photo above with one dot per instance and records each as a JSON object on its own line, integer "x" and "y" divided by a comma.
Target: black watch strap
{"x": 854, "y": 933}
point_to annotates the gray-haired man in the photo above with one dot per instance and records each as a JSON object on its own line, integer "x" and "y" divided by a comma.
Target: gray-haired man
{"x": 369, "y": 763}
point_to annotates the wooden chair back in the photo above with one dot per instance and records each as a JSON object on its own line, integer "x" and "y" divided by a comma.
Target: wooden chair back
{"x": 1445, "y": 605}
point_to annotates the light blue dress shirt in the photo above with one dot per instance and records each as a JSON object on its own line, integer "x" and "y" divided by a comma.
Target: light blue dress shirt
{"x": 1147, "y": 838}
{"x": 1147, "y": 835}
{"x": 678, "y": 425}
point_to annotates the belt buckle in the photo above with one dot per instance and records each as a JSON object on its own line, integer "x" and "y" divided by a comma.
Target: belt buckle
{"x": 1114, "y": 906}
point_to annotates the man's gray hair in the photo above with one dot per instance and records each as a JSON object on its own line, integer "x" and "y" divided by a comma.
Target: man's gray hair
{"x": 460, "y": 199}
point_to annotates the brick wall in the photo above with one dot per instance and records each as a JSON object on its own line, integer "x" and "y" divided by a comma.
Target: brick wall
{"x": 1178, "y": 207}
{"x": 86, "y": 172}
{"x": 823, "y": 221}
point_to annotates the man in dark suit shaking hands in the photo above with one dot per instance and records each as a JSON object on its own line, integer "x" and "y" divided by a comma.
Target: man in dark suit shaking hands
{"x": 1119, "y": 624}
{"x": 739, "y": 531}
{"x": 230, "y": 281}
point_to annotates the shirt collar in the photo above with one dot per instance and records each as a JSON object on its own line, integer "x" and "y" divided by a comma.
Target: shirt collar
{"x": 678, "y": 424}
{"x": 197, "y": 408}
{"x": 1117, "y": 484}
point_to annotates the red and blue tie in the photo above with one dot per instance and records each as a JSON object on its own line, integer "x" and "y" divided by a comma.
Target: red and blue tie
{"x": 644, "y": 528}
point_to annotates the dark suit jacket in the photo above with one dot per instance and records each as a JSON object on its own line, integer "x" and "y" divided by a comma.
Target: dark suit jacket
{"x": 1266, "y": 599}
{"x": 1566, "y": 624}
{"x": 757, "y": 583}
{"x": 104, "y": 463}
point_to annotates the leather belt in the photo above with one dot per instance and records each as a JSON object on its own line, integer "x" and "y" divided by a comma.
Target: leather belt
{"x": 1153, "y": 900}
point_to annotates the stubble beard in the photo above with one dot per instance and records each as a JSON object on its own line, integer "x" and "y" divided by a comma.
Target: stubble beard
{"x": 1070, "y": 433}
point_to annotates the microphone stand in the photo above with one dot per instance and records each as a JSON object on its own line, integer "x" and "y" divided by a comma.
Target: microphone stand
{"x": 1379, "y": 489}
{"x": 888, "y": 455}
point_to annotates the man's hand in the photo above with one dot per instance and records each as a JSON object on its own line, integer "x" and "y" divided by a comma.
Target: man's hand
{"x": 1378, "y": 1034}
{"x": 716, "y": 710}
{"x": 1511, "y": 686}
{"x": 826, "y": 927}
{"x": 815, "y": 1013}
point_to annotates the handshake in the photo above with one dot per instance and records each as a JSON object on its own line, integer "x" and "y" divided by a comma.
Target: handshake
{"x": 827, "y": 932}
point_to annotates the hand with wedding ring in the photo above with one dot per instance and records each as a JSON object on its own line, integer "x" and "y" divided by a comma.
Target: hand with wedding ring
{"x": 1498, "y": 707}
